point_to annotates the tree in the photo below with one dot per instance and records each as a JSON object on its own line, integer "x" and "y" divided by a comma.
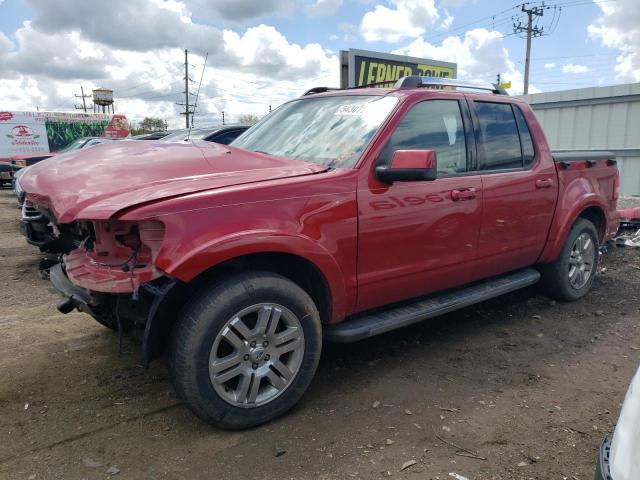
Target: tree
{"x": 150, "y": 124}
{"x": 248, "y": 119}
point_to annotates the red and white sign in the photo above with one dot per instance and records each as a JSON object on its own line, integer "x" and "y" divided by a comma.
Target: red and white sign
{"x": 25, "y": 133}
{"x": 22, "y": 133}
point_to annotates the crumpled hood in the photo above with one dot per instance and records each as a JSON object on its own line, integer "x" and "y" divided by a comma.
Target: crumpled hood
{"x": 95, "y": 183}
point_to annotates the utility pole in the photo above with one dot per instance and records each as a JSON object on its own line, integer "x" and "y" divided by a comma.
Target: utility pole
{"x": 222, "y": 117}
{"x": 84, "y": 102}
{"x": 186, "y": 86}
{"x": 531, "y": 32}
{"x": 186, "y": 112}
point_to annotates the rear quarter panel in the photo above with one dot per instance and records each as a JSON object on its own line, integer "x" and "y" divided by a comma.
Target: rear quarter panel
{"x": 582, "y": 187}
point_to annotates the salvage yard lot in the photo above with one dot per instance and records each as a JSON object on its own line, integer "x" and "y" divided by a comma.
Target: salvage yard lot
{"x": 528, "y": 384}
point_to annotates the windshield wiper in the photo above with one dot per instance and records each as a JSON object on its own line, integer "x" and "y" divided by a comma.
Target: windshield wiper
{"x": 331, "y": 164}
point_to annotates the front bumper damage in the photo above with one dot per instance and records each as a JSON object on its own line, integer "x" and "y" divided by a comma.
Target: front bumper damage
{"x": 83, "y": 271}
{"x": 120, "y": 311}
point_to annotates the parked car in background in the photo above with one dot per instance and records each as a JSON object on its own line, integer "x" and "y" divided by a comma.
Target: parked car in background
{"x": 619, "y": 459}
{"x": 223, "y": 135}
{"x": 153, "y": 135}
{"x": 79, "y": 143}
{"x": 7, "y": 172}
{"x": 341, "y": 215}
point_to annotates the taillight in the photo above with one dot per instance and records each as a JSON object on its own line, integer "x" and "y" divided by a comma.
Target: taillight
{"x": 616, "y": 185}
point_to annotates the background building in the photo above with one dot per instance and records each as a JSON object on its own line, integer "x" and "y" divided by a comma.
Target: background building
{"x": 598, "y": 118}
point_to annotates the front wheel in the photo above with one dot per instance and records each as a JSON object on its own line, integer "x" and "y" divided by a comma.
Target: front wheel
{"x": 246, "y": 349}
{"x": 571, "y": 276}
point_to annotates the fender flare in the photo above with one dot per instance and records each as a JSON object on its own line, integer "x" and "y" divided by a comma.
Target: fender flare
{"x": 555, "y": 242}
{"x": 222, "y": 249}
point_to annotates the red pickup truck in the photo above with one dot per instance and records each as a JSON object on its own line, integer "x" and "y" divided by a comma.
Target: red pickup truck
{"x": 343, "y": 214}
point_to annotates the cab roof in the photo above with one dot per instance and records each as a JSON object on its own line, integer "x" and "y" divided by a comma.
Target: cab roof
{"x": 411, "y": 83}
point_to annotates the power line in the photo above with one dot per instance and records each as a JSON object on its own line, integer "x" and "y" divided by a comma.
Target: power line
{"x": 464, "y": 26}
{"x": 195, "y": 105}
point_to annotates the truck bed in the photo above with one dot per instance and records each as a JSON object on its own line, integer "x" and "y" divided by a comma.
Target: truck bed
{"x": 561, "y": 156}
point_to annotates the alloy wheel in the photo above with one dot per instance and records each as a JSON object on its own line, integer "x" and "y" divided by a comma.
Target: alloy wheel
{"x": 256, "y": 355}
{"x": 581, "y": 261}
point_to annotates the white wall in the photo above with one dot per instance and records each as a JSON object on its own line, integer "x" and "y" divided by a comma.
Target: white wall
{"x": 598, "y": 118}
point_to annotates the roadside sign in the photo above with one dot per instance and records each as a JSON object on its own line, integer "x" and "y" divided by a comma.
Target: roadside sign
{"x": 363, "y": 67}
{"x": 23, "y": 133}
{"x": 33, "y": 133}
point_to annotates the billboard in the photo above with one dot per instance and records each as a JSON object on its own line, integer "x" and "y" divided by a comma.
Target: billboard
{"x": 364, "y": 67}
{"x": 33, "y": 133}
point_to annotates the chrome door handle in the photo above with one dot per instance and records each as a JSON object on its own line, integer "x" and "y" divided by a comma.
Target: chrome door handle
{"x": 463, "y": 194}
{"x": 544, "y": 183}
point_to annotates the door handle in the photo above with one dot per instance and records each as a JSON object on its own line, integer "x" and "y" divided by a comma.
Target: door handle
{"x": 463, "y": 194}
{"x": 544, "y": 183}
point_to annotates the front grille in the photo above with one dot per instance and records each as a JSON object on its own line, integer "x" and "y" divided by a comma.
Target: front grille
{"x": 29, "y": 212}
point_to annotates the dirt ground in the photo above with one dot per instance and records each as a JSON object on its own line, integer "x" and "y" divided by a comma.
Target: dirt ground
{"x": 531, "y": 386}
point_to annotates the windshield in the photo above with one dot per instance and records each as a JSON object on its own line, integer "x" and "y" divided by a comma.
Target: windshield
{"x": 75, "y": 145}
{"x": 182, "y": 135}
{"x": 331, "y": 131}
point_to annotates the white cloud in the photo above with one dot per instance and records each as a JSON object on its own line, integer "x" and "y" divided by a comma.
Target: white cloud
{"x": 5, "y": 44}
{"x": 324, "y": 7}
{"x": 480, "y": 56}
{"x": 121, "y": 25}
{"x": 549, "y": 65}
{"x": 247, "y": 70}
{"x": 619, "y": 28}
{"x": 456, "y": 3}
{"x": 446, "y": 23}
{"x": 265, "y": 51}
{"x": 574, "y": 68}
{"x": 405, "y": 19}
{"x": 238, "y": 10}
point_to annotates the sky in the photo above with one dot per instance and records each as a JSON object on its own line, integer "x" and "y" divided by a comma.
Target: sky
{"x": 262, "y": 53}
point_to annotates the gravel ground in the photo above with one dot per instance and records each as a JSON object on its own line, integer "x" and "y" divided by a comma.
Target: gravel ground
{"x": 530, "y": 386}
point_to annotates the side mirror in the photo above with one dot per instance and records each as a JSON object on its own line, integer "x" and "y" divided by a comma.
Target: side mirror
{"x": 408, "y": 166}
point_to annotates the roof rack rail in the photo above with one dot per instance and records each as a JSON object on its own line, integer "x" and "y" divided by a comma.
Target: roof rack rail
{"x": 415, "y": 81}
{"x": 313, "y": 90}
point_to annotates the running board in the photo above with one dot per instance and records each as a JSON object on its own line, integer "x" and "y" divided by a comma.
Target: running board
{"x": 438, "y": 304}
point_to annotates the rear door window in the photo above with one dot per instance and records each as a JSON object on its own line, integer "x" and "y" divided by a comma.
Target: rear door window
{"x": 500, "y": 139}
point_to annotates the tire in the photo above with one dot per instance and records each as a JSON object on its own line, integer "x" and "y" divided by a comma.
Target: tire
{"x": 561, "y": 279}
{"x": 217, "y": 363}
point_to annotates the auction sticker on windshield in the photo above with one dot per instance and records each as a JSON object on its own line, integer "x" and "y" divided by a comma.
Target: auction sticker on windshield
{"x": 350, "y": 110}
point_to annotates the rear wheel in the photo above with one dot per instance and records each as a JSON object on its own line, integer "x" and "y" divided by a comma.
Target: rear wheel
{"x": 246, "y": 349}
{"x": 571, "y": 276}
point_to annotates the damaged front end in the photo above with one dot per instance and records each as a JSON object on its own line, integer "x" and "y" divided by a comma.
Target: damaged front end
{"x": 106, "y": 269}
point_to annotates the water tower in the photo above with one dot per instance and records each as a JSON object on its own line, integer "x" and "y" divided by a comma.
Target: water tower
{"x": 104, "y": 98}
